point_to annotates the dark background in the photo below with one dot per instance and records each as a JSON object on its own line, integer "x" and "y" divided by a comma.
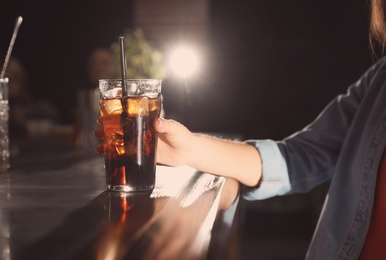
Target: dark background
{"x": 282, "y": 61}
{"x": 55, "y": 38}
{"x": 272, "y": 66}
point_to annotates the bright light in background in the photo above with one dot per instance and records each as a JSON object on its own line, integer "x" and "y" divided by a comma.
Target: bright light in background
{"x": 184, "y": 62}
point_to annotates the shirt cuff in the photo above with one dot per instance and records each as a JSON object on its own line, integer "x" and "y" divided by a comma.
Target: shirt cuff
{"x": 275, "y": 179}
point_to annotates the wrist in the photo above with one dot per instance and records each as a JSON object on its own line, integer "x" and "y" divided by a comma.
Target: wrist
{"x": 193, "y": 151}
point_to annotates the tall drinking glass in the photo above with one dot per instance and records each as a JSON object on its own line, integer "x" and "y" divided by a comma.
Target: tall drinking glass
{"x": 130, "y": 139}
{"x": 4, "y": 125}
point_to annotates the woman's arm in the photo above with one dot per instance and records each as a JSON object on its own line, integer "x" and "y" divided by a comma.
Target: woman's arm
{"x": 178, "y": 146}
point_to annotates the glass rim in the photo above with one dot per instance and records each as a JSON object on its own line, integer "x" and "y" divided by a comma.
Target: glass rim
{"x": 112, "y": 88}
{"x": 120, "y": 80}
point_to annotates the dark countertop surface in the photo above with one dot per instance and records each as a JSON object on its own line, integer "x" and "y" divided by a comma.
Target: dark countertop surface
{"x": 56, "y": 206}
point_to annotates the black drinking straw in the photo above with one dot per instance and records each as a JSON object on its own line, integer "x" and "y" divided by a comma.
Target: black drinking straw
{"x": 123, "y": 66}
{"x": 18, "y": 23}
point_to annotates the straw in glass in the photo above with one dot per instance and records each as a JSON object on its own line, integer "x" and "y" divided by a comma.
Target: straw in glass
{"x": 123, "y": 65}
{"x": 10, "y": 47}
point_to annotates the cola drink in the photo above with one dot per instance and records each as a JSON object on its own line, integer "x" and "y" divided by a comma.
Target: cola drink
{"x": 130, "y": 140}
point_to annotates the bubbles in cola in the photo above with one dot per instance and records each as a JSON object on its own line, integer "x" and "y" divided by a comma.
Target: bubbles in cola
{"x": 112, "y": 93}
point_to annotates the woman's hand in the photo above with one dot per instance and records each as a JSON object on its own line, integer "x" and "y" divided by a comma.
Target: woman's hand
{"x": 175, "y": 142}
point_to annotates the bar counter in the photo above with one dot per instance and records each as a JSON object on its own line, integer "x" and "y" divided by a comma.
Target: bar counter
{"x": 55, "y": 206}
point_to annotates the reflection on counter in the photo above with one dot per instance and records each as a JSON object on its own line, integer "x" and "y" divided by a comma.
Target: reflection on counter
{"x": 181, "y": 218}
